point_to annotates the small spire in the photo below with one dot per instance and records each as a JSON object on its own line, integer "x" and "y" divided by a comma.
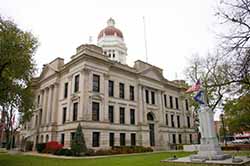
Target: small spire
{"x": 111, "y": 22}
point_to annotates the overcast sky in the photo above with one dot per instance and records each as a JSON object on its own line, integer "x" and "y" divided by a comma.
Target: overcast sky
{"x": 176, "y": 29}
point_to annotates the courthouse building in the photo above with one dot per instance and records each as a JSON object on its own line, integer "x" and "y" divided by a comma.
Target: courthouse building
{"x": 115, "y": 104}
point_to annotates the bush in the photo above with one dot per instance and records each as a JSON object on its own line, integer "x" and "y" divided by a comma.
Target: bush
{"x": 64, "y": 152}
{"x": 90, "y": 152}
{"x": 52, "y": 147}
{"x": 40, "y": 147}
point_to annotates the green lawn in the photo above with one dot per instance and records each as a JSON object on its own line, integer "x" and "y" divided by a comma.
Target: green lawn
{"x": 136, "y": 160}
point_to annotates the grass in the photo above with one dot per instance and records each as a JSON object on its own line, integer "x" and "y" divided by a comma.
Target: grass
{"x": 152, "y": 159}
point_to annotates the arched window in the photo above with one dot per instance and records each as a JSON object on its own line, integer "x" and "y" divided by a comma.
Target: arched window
{"x": 41, "y": 138}
{"x": 150, "y": 116}
{"x": 47, "y": 138}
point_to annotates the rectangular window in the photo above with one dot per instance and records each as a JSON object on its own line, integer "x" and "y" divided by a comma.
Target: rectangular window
{"x": 131, "y": 93}
{"x": 177, "y": 103}
{"x": 147, "y": 97}
{"x": 65, "y": 90}
{"x": 152, "y": 97}
{"x": 96, "y": 83}
{"x": 62, "y": 139}
{"x": 133, "y": 139}
{"x": 72, "y": 135}
{"x": 122, "y": 139}
{"x": 111, "y": 139}
{"x": 76, "y": 87}
{"x": 121, "y": 88}
{"x": 172, "y": 120}
{"x": 64, "y": 114}
{"x": 111, "y": 114}
{"x": 75, "y": 111}
{"x": 190, "y": 138}
{"x": 188, "y": 122}
{"x": 174, "y": 139}
{"x": 40, "y": 116}
{"x": 95, "y": 111}
{"x": 111, "y": 88}
{"x": 165, "y": 101}
{"x": 38, "y": 99}
{"x": 132, "y": 116}
{"x": 96, "y": 139}
{"x": 36, "y": 120}
{"x": 166, "y": 116}
{"x": 186, "y": 104}
{"x": 180, "y": 139}
{"x": 171, "y": 101}
{"x": 122, "y": 115}
{"x": 178, "y": 121}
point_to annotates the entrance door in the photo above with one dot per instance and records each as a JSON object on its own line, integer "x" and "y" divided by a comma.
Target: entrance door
{"x": 152, "y": 134}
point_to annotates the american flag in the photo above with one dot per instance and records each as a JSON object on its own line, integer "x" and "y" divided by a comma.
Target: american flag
{"x": 196, "y": 87}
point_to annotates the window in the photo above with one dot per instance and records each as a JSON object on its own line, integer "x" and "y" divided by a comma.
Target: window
{"x": 96, "y": 139}
{"x": 95, "y": 111}
{"x": 133, "y": 139}
{"x": 47, "y": 138}
{"x": 176, "y": 103}
{"x": 190, "y": 138}
{"x": 178, "y": 121}
{"x": 186, "y": 104}
{"x": 64, "y": 114}
{"x": 75, "y": 111}
{"x": 122, "y": 115}
{"x": 147, "y": 97}
{"x": 40, "y": 116}
{"x": 72, "y": 135}
{"x": 171, "y": 101}
{"x": 65, "y": 90}
{"x": 111, "y": 114}
{"x": 174, "y": 139}
{"x": 180, "y": 139}
{"x": 166, "y": 116}
{"x": 132, "y": 116}
{"x": 172, "y": 120}
{"x": 122, "y": 139}
{"x": 96, "y": 83}
{"x": 111, "y": 139}
{"x": 152, "y": 97}
{"x": 62, "y": 139}
{"x": 165, "y": 100}
{"x": 131, "y": 93}
{"x": 76, "y": 87}
{"x": 121, "y": 88}
{"x": 38, "y": 99}
{"x": 111, "y": 88}
{"x": 188, "y": 122}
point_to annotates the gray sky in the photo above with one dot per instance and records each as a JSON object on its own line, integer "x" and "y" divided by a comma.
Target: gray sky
{"x": 176, "y": 29}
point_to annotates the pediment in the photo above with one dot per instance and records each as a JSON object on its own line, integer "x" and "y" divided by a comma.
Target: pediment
{"x": 153, "y": 74}
{"x": 47, "y": 71}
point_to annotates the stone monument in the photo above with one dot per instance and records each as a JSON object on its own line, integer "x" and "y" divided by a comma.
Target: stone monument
{"x": 209, "y": 148}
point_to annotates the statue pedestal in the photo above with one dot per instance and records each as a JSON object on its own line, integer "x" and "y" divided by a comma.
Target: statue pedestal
{"x": 209, "y": 148}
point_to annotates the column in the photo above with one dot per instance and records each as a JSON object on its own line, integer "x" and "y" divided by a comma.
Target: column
{"x": 54, "y": 119}
{"x": 69, "y": 98}
{"x": 105, "y": 99}
{"x": 49, "y": 105}
{"x": 85, "y": 96}
{"x": 44, "y": 106}
{"x": 160, "y": 103}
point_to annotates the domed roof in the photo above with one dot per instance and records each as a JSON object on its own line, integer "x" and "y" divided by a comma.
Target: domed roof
{"x": 110, "y": 30}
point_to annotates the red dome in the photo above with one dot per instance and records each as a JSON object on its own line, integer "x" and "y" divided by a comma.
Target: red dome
{"x": 110, "y": 31}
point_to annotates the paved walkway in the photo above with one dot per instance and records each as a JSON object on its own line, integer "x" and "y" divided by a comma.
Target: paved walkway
{"x": 88, "y": 157}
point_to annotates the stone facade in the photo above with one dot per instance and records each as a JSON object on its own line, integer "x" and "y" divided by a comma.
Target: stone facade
{"x": 69, "y": 94}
